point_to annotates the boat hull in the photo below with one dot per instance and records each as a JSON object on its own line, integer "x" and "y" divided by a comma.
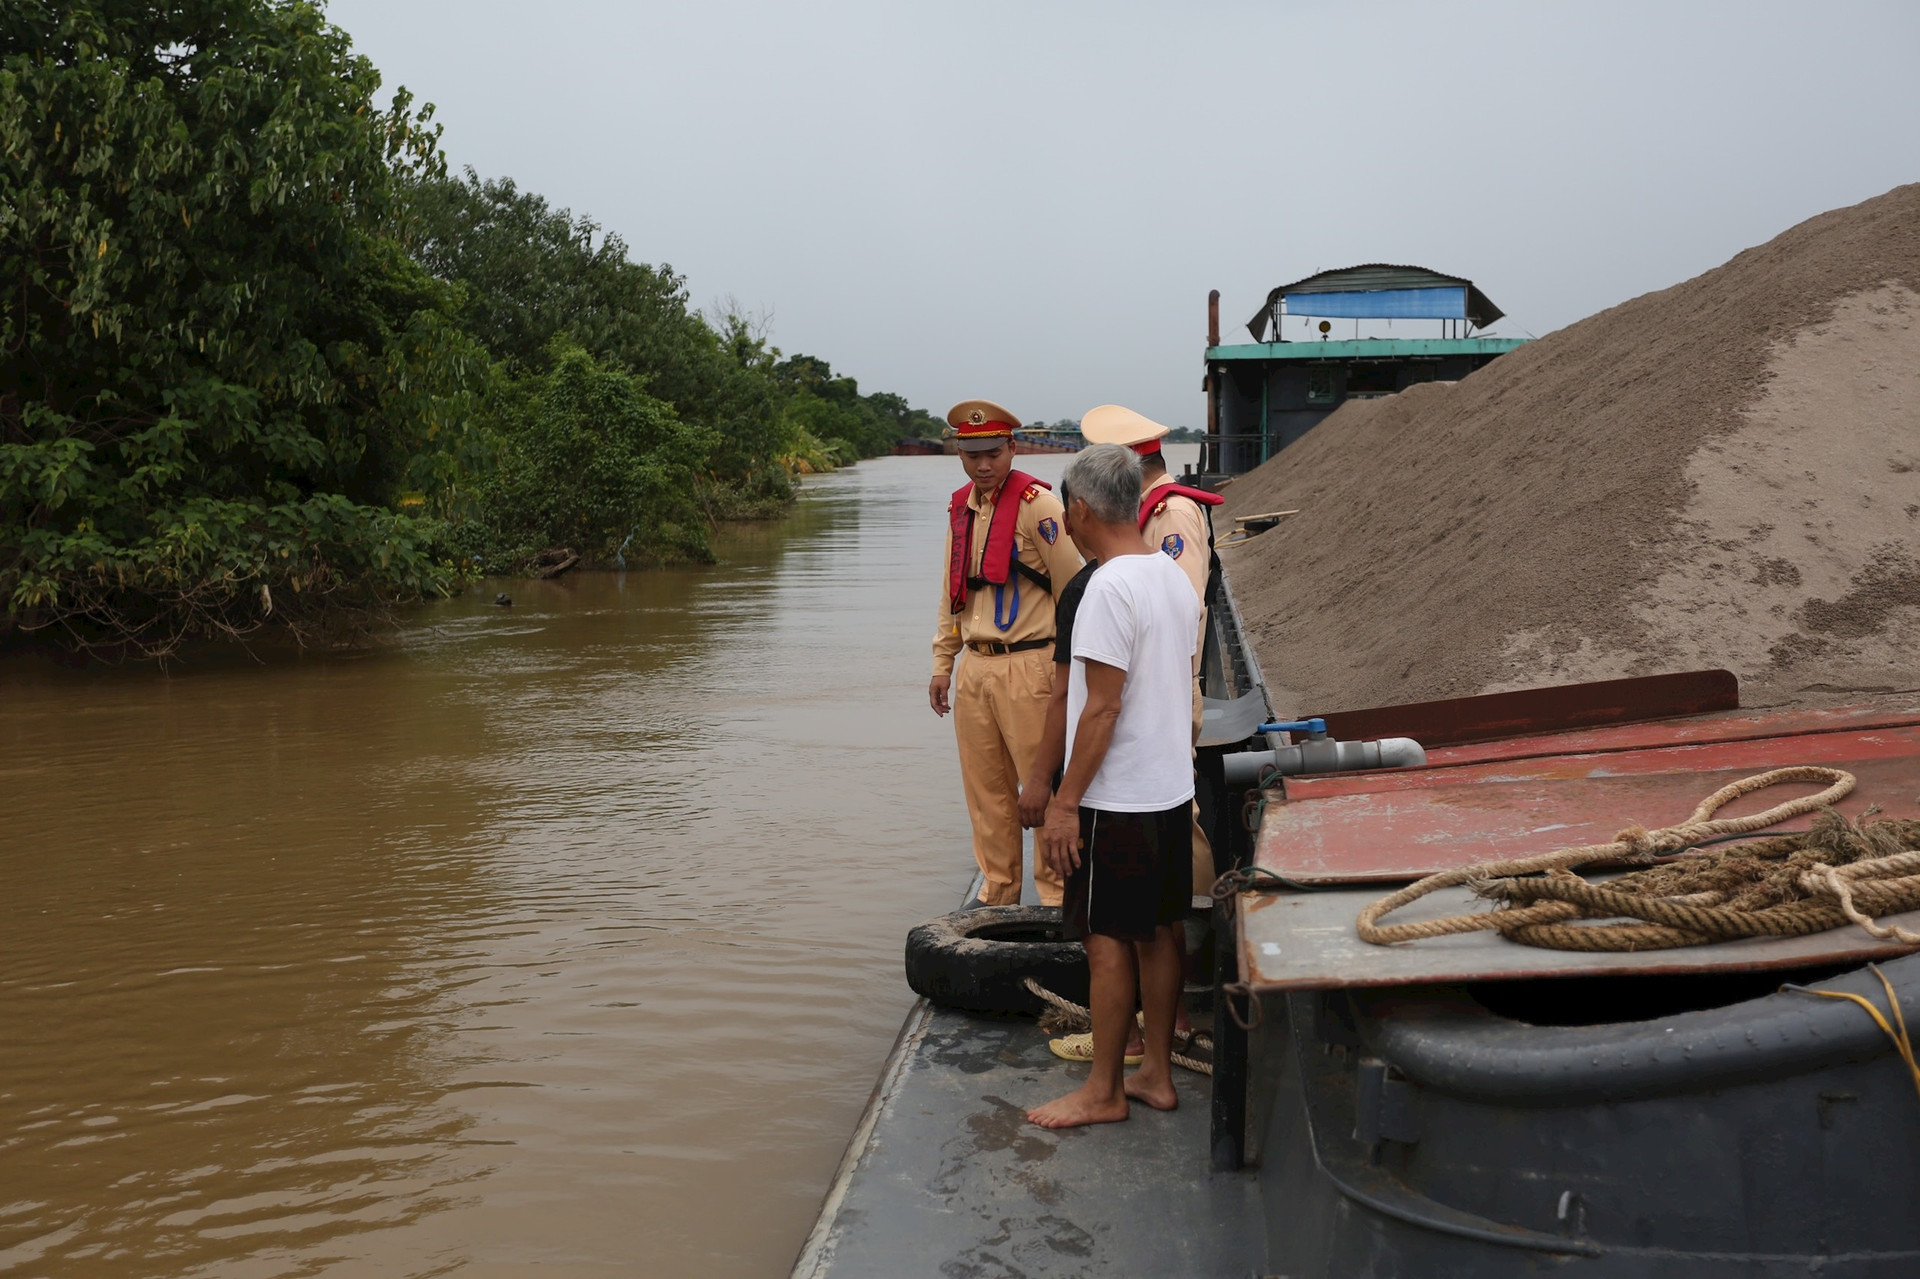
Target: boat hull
{"x": 1411, "y": 1135}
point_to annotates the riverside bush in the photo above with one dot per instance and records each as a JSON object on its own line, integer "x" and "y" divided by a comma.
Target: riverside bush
{"x": 588, "y": 460}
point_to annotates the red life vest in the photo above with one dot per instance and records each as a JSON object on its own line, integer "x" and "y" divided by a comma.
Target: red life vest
{"x": 997, "y": 561}
{"x": 1150, "y": 504}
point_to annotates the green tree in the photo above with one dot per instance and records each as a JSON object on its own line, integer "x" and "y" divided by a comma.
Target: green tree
{"x": 589, "y": 460}
{"x": 532, "y": 272}
{"x": 832, "y": 408}
{"x": 226, "y": 392}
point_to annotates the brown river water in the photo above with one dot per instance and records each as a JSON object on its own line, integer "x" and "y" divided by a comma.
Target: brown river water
{"x": 558, "y": 939}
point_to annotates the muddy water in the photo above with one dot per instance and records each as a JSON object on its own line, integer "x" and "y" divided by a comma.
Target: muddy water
{"x": 559, "y": 939}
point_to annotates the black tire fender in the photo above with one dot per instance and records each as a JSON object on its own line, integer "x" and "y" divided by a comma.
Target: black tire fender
{"x": 978, "y": 959}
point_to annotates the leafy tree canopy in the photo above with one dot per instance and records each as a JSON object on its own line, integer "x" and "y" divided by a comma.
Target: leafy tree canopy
{"x": 219, "y": 373}
{"x": 532, "y": 272}
{"x": 262, "y": 358}
{"x": 589, "y": 461}
{"x": 831, "y": 408}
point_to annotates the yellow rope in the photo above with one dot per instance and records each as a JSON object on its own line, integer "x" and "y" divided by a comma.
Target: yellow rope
{"x": 1902, "y": 1043}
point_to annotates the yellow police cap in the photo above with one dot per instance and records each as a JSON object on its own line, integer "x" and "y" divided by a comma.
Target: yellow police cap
{"x": 981, "y": 424}
{"x": 1115, "y": 424}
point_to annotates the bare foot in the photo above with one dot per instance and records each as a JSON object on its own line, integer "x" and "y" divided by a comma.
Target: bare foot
{"x": 1158, "y": 1093}
{"x": 1136, "y": 1046}
{"x": 1078, "y": 1107}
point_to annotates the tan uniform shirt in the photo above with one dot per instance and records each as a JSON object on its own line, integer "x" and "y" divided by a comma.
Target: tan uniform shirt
{"x": 1178, "y": 527}
{"x": 1040, "y": 541}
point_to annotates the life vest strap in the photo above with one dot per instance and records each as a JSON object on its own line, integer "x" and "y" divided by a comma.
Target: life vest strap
{"x": 1025, "y": 570}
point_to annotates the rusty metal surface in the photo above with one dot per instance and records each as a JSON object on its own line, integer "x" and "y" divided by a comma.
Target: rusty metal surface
{"x": 1495, "y": 716}
{"x": 1381, "y": 826}
{"x": 1306, "y": 941}
{"x": 1725, "y": 727}
{"x": 1357, "y": 833}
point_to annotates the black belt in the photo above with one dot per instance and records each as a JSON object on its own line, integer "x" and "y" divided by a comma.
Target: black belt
{"x": 994, "y": 648}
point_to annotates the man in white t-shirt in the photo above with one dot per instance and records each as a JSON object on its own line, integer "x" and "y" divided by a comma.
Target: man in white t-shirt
{"x": 1117, "y": 828}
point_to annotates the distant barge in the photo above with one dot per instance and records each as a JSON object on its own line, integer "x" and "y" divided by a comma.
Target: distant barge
{"x": 1461, "y": 1107}
{"x": 1048, "y": 441}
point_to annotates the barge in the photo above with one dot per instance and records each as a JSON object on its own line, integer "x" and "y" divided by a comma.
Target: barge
{"x": 1462, "y": 1105}
{"x": 1030, "y": 440}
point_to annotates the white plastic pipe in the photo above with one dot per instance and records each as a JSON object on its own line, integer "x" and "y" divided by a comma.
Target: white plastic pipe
{"x": 1243, "y": 768}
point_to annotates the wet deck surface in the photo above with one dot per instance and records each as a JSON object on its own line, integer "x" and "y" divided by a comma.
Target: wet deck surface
{"x": 950, "y": 1179}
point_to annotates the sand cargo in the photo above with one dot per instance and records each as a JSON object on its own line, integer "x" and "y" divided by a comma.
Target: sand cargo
{"x": 1725, "y": 473}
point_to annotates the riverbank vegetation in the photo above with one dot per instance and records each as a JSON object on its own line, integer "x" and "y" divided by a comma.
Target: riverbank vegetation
{"x": 264, "y": 361}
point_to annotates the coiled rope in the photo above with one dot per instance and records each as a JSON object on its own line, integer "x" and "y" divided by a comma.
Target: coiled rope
{"x": 1786, "y": 886}
{"x": 1076, "y": 1018}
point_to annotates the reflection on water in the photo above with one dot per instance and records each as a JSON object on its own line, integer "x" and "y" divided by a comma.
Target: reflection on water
{"x": 561, "y": 937}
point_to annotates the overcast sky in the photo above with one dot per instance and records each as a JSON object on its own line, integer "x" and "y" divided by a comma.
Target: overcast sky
{"x": 1029, "y": 201}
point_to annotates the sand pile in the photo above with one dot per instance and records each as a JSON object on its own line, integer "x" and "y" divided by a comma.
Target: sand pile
{"x": 1724, "y": 473}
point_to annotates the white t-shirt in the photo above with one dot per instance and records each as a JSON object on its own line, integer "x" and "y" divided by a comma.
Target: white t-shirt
{"x": 1139, "y": 614}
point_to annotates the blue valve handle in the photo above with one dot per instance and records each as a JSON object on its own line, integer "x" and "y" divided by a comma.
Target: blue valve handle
{"x": 1316, "y": 726}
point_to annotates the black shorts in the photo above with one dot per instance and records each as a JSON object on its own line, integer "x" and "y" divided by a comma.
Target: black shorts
{"x": 1135, "y": 873}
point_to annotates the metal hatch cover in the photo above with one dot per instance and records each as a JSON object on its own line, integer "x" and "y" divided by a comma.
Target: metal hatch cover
{"x": 1348, "y": 837}
{"x": 1403, "y": 824}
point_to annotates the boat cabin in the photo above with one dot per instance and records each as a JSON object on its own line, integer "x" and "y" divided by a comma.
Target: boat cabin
{"x": 1309, "y": 355}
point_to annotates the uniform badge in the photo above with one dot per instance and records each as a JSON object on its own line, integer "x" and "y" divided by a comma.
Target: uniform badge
{"x": 1173, "y": 544}
{"x": 1050, "y": 531}
{"x": 1033, "y": 491}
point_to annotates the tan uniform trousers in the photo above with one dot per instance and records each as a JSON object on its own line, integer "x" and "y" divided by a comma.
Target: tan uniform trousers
{"x": 999, "y": 716}
{"x": 1202, "y": 846}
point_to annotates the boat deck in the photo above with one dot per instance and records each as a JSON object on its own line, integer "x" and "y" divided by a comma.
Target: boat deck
{"x": 946, "y": 1177}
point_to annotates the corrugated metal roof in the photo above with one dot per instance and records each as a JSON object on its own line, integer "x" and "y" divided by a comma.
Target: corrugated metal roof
{"x": 1371, "y": 277}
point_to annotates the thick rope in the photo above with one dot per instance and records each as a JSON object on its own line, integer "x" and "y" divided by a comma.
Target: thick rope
{"x": 1839, "y": 881}
{"x": 1081, "y": 1019}
{"x": 1787, "y": 886}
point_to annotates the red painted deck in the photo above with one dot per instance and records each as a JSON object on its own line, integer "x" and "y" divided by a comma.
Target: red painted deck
{"x": 1357, "y": 833}
{"x": 1536, "y": 794}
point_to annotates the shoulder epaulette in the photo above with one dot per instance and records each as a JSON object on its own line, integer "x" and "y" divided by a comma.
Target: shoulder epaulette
{"x": 1161, "y": 509}
{"x": 1033, "y": 491}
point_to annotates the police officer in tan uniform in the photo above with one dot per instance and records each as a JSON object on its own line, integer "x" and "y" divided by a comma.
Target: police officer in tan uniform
{"x": 1007, "y": 559}
{"x": 1173, "y": 517}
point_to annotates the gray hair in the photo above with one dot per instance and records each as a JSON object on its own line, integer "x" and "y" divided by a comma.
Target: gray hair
{"x": 1107, "y": 477}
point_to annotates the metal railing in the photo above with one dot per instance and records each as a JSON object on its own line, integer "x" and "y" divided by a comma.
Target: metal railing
{"x": 1213, "y": 448}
